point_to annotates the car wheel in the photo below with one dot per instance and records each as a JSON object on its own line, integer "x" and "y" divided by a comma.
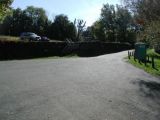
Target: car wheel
{"x": 30, "y": 39}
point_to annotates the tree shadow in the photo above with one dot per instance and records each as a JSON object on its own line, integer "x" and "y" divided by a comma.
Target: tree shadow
{"x": 149, "y": 89}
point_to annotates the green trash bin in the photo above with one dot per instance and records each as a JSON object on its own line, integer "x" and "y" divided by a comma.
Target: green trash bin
{"x": 140, "y": 51}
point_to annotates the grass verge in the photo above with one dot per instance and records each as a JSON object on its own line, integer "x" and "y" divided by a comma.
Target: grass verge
{"x": 151, "y": 52}
{"x": 148, "y": 68}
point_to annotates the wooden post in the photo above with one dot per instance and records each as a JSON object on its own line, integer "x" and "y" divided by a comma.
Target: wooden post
{"x": 153, "y": 65}
{"x": 145, "y": 61}
{"x": 147, "y": 58}
{"x": 139, "y": 60}
{"x": 134, "y": 57}
{"x": 128, "y": 54}
{"x": 132, "y": 53}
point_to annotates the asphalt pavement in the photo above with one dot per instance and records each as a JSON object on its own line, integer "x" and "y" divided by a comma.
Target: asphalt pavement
{"x": 97, "y": 88}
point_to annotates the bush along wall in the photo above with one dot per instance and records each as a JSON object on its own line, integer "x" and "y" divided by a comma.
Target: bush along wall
{"x": 25, "y": 50}
{"x": 88, "y": 49}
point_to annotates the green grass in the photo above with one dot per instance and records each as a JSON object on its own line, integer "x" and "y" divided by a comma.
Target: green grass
{"x": 148, "y": 68}
{"x": 9, "y": 38}
{"x": 151, "y": 52}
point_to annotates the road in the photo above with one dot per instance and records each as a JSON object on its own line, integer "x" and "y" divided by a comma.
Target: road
{"x": 98, "y": 88}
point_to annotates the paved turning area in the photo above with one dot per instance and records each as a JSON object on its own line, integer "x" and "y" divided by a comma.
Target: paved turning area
{"x": 97, "y": 88}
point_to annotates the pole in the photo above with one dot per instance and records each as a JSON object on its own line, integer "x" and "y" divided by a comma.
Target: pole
{"x": 153, "y": 65}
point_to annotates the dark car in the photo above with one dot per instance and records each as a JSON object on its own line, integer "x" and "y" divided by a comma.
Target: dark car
{"x": 30, "y": 36}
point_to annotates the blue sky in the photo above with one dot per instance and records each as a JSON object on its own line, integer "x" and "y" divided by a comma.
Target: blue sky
{"x": 88, "y": 10}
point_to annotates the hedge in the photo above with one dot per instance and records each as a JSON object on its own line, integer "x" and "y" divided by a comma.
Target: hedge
{"x": 25, "y": 50}
{"x": 98, "y": 48}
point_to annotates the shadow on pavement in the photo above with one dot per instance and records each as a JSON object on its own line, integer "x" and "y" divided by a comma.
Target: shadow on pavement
{"x": 149, "y": 89}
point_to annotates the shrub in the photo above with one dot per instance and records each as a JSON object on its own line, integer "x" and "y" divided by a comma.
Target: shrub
{"x": 24, "y": 50}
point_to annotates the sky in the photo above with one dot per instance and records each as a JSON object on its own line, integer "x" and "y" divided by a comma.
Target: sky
{"x": 88, "y": 10}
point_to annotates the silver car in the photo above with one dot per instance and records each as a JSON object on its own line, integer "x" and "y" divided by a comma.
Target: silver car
{"x": 30, "y": 36}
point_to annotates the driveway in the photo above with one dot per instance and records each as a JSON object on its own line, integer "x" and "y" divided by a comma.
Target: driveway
{"x": 97, "y": 88}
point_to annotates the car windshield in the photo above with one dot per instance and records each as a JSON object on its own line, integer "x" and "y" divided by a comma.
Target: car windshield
{"x": 30, "y": 34}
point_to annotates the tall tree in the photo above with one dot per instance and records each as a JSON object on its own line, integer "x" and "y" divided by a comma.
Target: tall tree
{"x": 146, "y": 9}
{"x": 80, "y": 25}
{"x": 31, "y": 19}
{"x": 123, "y": 21}
{"x": 109, "y": 20}
{"x": 38, "y": 17}
{"x": 113, "y": 24}
{"x": 147, "y": 14}
{"x": 98, "y": 30}
{"x": 62, "y": 28}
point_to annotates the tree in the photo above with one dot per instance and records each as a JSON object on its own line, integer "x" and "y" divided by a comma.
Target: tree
{"x": 16, "y": 22}
{"x": 147, "y": 14}
{"x": 88, "y": 34}
{"x": 4, "y": 8}
{"x": 80, "y": 25}
{"x": 98, "y": 31}
{"x": 31, "y": 19}
{"x": 63, "y": 29}
{"x": 34, "y": 19}
{"x": 113, "y": 24}
{"x": 38, "y": 18}
{"x": 6, "y": 26}
{"x": 145, "y": 9}
{"x": 123, "y": 21}
{"x": 109, "y": 21}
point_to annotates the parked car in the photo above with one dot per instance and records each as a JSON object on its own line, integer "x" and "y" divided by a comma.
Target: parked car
{"x": 44, "y": 39}
{"x": 30, "y": 36}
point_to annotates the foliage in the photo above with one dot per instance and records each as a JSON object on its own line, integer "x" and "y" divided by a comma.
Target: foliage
{"x": 114, "y": 24}
{"x": 34, "y": 19}
{"x": 123, "y": 20}
{"x": 37, "y": 17}
{"x": 98, "y": 31}
{"x": 108, "y": 17}
{"x": 151, "y": 34}
{"x": 80, "y": 25}
{"x": 24, "y": 50}
{"x": 152, "y": 53}
{"x": 31, "y": 19}
{"x": 63, "y": 29}
{"x": 147, "y": 14}
{"x": 147, "y": 68}
{"x": 88, "y": 34}
{"x": 145, "y": 9}
{"x": 4, "y": 8}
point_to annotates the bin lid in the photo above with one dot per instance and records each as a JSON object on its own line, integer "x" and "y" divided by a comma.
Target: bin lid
{"x": 140, "y": 43}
